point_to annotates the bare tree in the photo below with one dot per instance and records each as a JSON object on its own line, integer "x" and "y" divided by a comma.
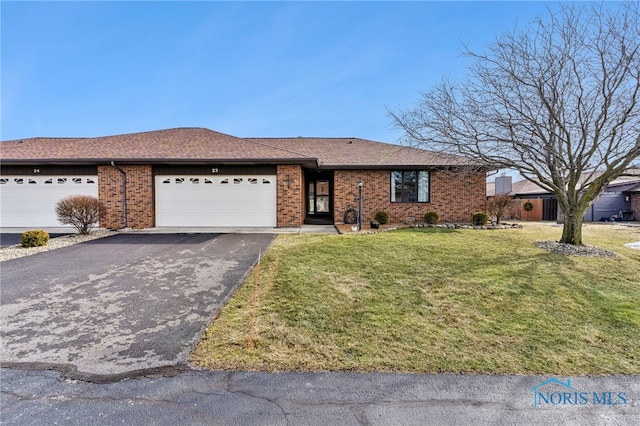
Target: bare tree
{"x": 558, "y": 103}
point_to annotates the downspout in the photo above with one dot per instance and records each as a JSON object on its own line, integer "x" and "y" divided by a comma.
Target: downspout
{"x": 124, "y": 194}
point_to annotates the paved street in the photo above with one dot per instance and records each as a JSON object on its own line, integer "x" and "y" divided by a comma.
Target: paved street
{"x": 118, "y": 305}
{"x": 253, "y": 398}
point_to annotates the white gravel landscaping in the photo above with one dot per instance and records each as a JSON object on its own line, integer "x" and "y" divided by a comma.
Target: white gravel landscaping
{"x": 633, "y": 245}
{"x": 14, "y": 252}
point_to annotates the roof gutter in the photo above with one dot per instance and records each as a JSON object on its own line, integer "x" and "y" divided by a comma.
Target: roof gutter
{"x": 124, "y": 194}
{"x": 152, "y": 161}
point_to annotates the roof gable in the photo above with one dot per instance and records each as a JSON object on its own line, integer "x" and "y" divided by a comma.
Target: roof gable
{"x": 160, "y": 145}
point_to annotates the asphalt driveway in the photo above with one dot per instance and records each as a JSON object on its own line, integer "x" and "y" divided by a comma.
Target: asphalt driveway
{"x": 121, "y": 305}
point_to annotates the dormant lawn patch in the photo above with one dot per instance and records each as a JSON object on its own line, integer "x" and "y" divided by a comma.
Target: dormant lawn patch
{"x": 436, "y": 300}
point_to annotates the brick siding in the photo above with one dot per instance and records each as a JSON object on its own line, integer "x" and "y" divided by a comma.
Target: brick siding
{"x": 140, "y": 205}
{"x": 290, "y": 197}
{"x": 454, "y": 196}
{"x": 635, "y": 204}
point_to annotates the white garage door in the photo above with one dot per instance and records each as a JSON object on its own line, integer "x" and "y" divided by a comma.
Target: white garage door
{"x": 30, "y": 202}
{"x": 216, "y": 201}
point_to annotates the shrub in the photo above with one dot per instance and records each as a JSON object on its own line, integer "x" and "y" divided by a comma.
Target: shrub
{"x": 479, "y": 219}
{"x": 81, "y": 211}
{"x": 35, "y": 238}
{"x": 498, "y": 206}
{"x": 431, "y": 218}
{"x": 381, "y": 217}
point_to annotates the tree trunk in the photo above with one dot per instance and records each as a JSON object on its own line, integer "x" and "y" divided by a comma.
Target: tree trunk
{"x": 572, "y": 230}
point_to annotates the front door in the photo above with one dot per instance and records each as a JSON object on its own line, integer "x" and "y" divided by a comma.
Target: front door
{"x": 319, "y": 198}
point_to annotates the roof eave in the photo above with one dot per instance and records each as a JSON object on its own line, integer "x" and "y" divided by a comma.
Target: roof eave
{"x": 101, "y": 161}
{"x": 395, "y": 166}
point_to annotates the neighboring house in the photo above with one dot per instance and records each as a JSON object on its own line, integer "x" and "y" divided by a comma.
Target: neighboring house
{"x": 542, "y": 204}
{"x": 621, "y": 200}
{"x": 198, "y": 177}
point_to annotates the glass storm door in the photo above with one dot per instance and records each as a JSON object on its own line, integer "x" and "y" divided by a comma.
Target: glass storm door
{"x": 319, "y": 197}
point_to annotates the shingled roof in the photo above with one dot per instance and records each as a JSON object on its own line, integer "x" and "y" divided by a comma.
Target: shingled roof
{"x": 358, "y": 153}
{"x": 184, "y": 145}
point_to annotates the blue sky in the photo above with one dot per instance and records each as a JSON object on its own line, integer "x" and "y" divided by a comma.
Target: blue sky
{"x": 244, "y": 68}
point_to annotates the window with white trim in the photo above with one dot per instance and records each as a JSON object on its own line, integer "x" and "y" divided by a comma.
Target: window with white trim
{"x": 410, "y": 186}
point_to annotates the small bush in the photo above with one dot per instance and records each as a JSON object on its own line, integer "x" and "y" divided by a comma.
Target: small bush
{"x": 381, "y": 217}
{"x": 499, "y": 206}
{"x": 81, "y": 211}
{"x": 479, "y": 219}
{"x": 431, "y": 218}
{"x": 36, "y": 238}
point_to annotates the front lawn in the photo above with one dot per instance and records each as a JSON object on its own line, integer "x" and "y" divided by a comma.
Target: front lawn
{"x": 436, "y": 300}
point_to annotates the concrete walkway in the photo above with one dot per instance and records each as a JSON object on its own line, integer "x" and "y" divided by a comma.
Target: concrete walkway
{"x": 304, "y": 229}
{"x": 255, "y": 398}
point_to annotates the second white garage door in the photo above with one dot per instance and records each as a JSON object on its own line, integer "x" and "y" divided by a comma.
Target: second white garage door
{"x": 216, "y": 201}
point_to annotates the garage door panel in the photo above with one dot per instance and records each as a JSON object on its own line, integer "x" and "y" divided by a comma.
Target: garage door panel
{"x": 30, "y": 201}
{"x": 216, "y": 201}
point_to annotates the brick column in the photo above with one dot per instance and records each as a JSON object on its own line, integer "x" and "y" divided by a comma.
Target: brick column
{"x": 635, "y": 204}
{"x": 140, "y": 201}
{"x": 290, "y": 196}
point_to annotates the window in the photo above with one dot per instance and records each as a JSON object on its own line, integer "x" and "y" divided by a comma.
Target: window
{"x": 410, "y": 186}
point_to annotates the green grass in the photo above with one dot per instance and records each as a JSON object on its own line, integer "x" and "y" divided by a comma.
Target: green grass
{"x": 436, "y": 300}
